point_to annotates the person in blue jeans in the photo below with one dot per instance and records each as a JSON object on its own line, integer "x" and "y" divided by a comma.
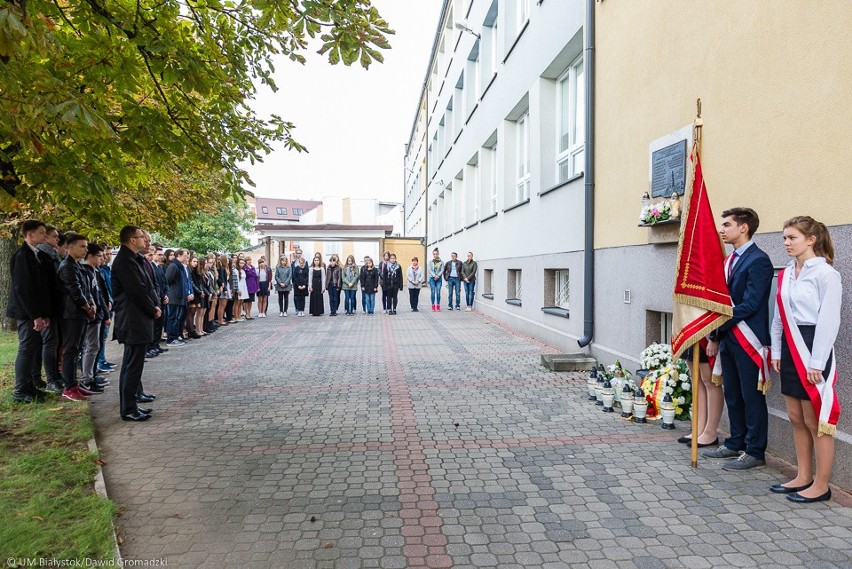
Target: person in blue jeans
{"x": 435, "y": 271}
{"x": 369, "y": 284}
{"x": 452, "y": 274}
{"x": 468, "y": 276}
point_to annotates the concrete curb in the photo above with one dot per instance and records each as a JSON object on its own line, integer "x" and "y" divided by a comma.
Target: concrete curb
{"x": 100, "y": 489}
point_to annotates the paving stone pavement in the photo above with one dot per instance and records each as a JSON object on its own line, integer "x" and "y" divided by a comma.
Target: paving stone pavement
{"x": 424, "y": 440}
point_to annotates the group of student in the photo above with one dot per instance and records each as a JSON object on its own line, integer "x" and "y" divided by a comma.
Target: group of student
{"x": 309, "y": 283}
{"x": 799, "y": 344}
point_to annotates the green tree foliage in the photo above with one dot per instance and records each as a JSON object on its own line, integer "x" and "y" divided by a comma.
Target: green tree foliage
{"x": 220, "y": 231}
{"x": 117, "y": 111}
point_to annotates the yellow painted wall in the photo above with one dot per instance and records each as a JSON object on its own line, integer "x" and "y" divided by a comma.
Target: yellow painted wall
{"x": 404, "y": 249}
{"x": 775, "y": 80}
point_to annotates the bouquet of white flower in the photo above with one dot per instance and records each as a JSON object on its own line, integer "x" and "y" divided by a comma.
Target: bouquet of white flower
{"x": 656, "y": 356}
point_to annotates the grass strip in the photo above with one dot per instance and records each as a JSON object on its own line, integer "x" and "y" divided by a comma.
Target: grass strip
{"x": 48, "y": 505}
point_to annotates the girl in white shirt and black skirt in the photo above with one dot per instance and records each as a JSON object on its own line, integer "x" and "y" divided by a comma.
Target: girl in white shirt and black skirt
{"x": 804, "y": 328}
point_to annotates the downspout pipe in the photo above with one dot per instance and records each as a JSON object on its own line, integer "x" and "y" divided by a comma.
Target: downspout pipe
{"x": 589, "y": 177}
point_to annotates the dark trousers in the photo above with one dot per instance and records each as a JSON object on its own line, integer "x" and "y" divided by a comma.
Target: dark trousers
{"x": 333, "y": 298}
{"x": 385, "y": 297}
{"x": 174, "y": 323}
{"x": 283, "y": 300}
{"x": 72, "y": 335}
{"x": 229, "y": 310}
{"x": 159, "y": 324}
{"x": 49, "y": 353}
{"x": 130, "y": 381}
{"x": 29, "y": 348}
{"x": 392, "y": 297}
{"x": 747, "y": 411}
{"x": 299, "y": 302}
{"x": 413, "y": 297}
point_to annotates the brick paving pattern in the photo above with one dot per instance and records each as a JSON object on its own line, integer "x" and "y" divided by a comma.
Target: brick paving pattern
{"x": 424, "y": 440}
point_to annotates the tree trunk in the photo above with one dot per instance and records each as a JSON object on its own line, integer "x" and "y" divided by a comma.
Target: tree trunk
{"x": 7, "y": 249}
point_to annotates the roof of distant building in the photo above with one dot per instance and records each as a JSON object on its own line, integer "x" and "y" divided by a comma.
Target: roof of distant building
{"x": 274, "y": 209}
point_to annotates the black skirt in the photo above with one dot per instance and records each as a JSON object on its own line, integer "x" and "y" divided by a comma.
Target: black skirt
{"x": 791, "y": 383}
{"x": 702, "y": 355}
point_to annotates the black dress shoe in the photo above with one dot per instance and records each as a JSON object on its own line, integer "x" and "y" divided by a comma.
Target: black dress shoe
{"x": 137, "y": 416}
{"x": 151, "y": 395}
{"x": 799, "y": 499}
{"x": 144, "y": 410}
{"x": 685, "y": 440}
{"x": 714, "y": 443}
{"x": 22, "y": 398}
{"x": 779, "y": 489}
{"x": 144, "y": 399}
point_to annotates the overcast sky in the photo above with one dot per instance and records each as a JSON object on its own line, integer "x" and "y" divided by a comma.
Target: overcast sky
{"x": 355, "y": 122}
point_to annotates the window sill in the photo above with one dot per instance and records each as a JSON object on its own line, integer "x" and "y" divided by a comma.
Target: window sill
{"x": 488, "y": 295}
{"x": 487, "y": 217}
{"x": 519, "y": 204}
{"x": 517, "y": 39}
{"x": 470, "y": 114}
{"x": 573, "y": 178}
{"x": 457, "y": 232}
{"x": 666, "y": 222}
{"x": 513, "y": 301}
{"x": 488, "y": 86}
{"x": 556, "y": 311}
{"x": 475, "y": 223}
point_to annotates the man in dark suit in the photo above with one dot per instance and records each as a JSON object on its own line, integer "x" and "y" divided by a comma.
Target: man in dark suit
{"x": 30, "y": 304}
{"x": 136, "y": 308}
{"x": 749, "y": 273}
{"x": 177, "y": 277}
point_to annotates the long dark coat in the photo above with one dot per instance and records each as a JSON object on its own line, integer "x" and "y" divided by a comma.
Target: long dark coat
{"x": 135, "y": 296}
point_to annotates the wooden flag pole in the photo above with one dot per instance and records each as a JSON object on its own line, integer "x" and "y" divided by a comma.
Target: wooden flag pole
{"x": 695, "y": 376}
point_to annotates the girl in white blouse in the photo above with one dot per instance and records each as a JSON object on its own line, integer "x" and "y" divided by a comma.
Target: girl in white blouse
{"x": 804, "y": 328}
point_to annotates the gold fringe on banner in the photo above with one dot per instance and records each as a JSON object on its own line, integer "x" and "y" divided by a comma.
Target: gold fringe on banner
{"x": 716, "y": 379}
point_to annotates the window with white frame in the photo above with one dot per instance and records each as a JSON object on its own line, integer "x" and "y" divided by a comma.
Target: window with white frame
{"x": 514, "y": 284}
{"x": 572, "y": 122}
{"x": 490, "y": 47}
{"x": 460, "y": 114}
{"x": 473, "y": 190}
{"x": 474, "y": 79}
{"x": 494, "y": 182}
{"x": 562, "y": 289}
{"x": 522, "y": 14}
{"x": 522, "y": 158}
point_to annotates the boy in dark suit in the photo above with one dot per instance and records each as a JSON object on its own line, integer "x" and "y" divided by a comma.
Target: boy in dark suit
{"x": 30, "y": 305}
{"x": 749, "y": 274}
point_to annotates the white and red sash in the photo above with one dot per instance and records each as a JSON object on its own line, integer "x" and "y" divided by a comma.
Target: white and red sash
{"x": 758, "y": 353}
{"x": 822, "y": 396}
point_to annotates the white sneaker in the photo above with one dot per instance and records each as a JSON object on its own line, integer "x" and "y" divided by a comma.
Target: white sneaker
{"x": 284, "y": 313}
{"x": 280, "y": 314}
{"x": 468, "y": 309}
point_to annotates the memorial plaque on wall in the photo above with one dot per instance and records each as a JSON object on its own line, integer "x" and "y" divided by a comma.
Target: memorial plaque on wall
{"x": 668, "y": 170}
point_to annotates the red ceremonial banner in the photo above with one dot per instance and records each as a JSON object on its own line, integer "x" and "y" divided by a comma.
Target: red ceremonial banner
{"x": 702, "y": 302}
